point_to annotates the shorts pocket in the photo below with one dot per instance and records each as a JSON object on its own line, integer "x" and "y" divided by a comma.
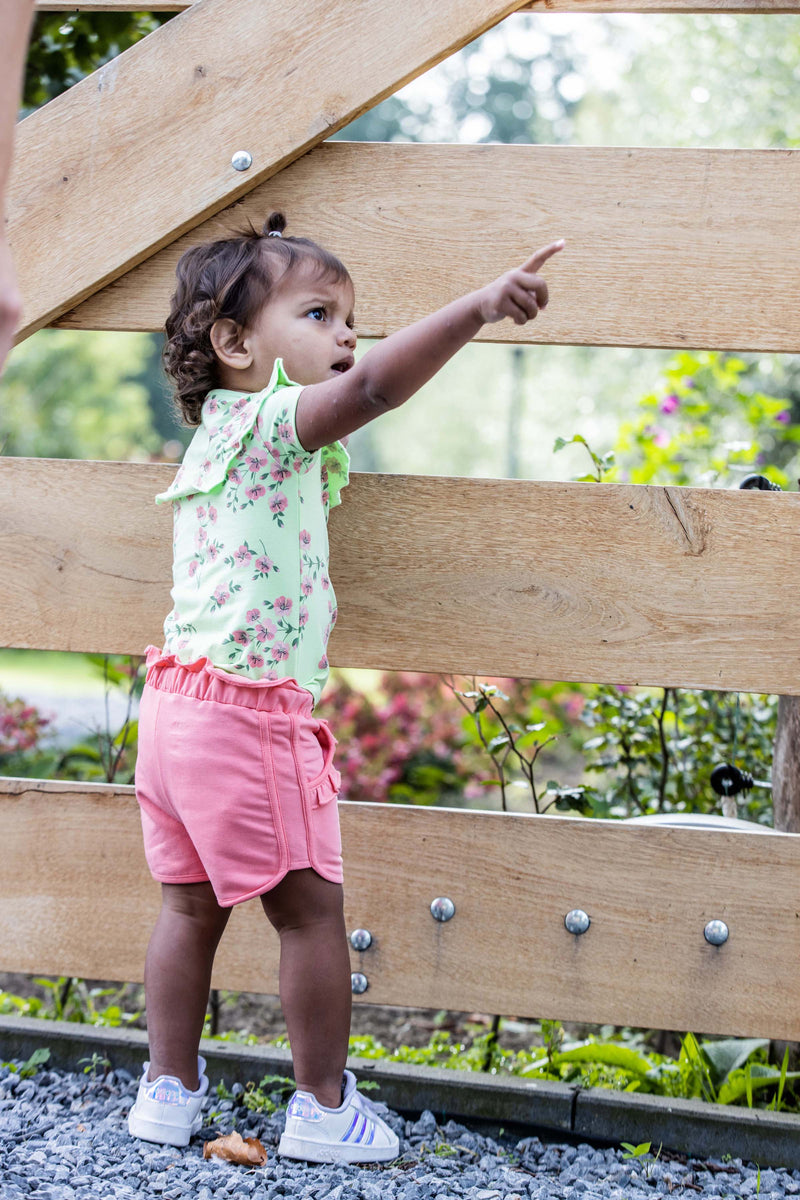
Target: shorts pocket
{"x": 318, "y": 746}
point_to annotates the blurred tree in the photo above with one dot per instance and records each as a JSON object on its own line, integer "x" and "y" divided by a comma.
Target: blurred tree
{"x": 71, "y": 394}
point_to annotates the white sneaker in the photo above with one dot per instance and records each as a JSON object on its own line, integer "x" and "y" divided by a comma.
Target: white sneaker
{"x": 165, "y": 1111}
{"x": 352, "y": 1133}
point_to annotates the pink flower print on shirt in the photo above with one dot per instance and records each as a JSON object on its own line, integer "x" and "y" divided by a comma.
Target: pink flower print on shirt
{"x": 220, "y": 596}
{"x": 235, "y": 475}
{"x": 285, "y": 431}
{"x": 266, "y": 630}
{"x": 297, "y": 465}
{"x": 255, "y": 492}
{"x": 211, "y": 405}
{"x": 306, "y": 586}
{"x": 193, "y": 565}
{"x": 326, "y": 583}
{"x": 243, "y": 556}
{"x": 303, "y": 617}
{"x": 240, "y": 637}
{"x": 305, "y": 537}
{"x": 279, "y": 652}
{"x": 255, "y": 460}
{"x": 212, "y": 551}
{"x": 255, "y": 660}
{"x": 278, "y": 503}
{"x": 263, "y": 565}
{"x": 201, "y": 513}
{"x": 279, "y": 473}
{"x": 200, "y": 537}
{"x": 323, "y": 662}
{"x": 283, "y": 605}
{"x": 253, "y": 614}
{"x": 212, "y": 513}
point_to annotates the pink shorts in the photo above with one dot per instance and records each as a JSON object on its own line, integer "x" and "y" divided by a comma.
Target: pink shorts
{"x": 235, "y": 780}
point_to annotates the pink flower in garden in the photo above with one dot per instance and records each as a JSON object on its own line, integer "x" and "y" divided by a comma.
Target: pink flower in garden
{"x": 305, "y": 537}
{"x": 242, "y": 556}
{"x": 240, "y": 636}
{"x": 253, "y": 614}
{"x": 283, "y": 605}
{"x": 669, "y": 404}
{"x": 285, "y": 431}
{"x": 278, "y": 503}
{"x": 688, "y": 381}
{"x": 266, "y": 631}
{"x": 280, "y": 651}
{"x": 256, "y": 492}
{"x": 264, "y": 564}
{"x": 784, "y": 417}
{"x": 255, "y": 660}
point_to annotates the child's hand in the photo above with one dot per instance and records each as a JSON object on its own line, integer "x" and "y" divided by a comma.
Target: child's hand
{"x": 518, "y": 294}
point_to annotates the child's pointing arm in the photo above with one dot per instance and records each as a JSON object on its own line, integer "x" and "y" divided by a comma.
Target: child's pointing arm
{"x": 397, "y": 367}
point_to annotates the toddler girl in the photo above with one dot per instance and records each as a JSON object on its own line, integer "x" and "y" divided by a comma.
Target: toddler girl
{"x": 235, "y": 775}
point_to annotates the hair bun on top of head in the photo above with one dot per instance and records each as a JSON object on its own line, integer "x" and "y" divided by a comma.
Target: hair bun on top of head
{"x": 274, "y": 225}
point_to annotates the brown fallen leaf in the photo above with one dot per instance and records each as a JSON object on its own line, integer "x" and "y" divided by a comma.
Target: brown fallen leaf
{"x": 234, "y": 1148}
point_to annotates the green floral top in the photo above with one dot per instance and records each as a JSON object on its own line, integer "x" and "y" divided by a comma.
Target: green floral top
{"x": 251, "y": 590}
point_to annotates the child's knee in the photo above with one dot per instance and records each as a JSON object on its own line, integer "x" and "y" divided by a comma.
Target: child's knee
{"x": 303, "y": 898}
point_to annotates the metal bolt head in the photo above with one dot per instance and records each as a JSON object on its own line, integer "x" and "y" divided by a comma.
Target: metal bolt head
{"x": 241, "y": 160}
{"x": 577, "y": 921}
{"x": 361, "y": 939}
{"x": 716, "y": 933}
{"x": 442, "y": 908}
{"x": 358, "y": 983}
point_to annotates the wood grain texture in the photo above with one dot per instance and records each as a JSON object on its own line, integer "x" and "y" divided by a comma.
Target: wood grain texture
{"x": 537, "y": 6}
{"x": 643, "y": 961}
{"x": 140, "y": 151}
{"x": 606, "y": 583}
{"x": 656, "y": 240}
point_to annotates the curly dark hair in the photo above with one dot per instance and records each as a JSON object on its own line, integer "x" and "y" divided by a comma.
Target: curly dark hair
{"x": 230, "y": 278}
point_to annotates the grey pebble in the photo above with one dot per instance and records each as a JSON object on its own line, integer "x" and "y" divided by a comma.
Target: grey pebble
{"x": 45, "y": 1154}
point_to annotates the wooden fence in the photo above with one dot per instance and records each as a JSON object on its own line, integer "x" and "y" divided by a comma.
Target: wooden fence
{"x": 619, "y": 584}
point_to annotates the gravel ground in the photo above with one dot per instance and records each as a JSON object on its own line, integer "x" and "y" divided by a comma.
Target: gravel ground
{"x": 64, "y": 1136}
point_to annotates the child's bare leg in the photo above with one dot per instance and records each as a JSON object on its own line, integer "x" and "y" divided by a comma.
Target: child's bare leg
{"x": 177, "y": 977}
{"x": 307, "y": 911}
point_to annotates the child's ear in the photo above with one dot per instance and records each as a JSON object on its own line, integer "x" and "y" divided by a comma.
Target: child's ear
{"x": 228, "y": 341}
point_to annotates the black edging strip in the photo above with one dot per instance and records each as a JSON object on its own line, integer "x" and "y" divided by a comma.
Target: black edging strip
{"x": 556, "y": 1110}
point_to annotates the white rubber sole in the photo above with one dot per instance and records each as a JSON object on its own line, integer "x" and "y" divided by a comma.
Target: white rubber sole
{"x": 160, "y": 1131}
{"x": 326, "y": 1152}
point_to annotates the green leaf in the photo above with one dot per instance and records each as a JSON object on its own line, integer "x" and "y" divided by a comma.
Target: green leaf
{"x": 608, "y": 1053}
{"x": 730, "y": 1054}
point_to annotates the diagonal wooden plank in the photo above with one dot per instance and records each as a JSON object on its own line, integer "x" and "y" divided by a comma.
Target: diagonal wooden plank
{"x": 611, "y": 583}
{"x": 648, "y": 891}
{"x": 141, "y": 150}
{"x": 543, "y": 6}
{"x": 424, "y": 217}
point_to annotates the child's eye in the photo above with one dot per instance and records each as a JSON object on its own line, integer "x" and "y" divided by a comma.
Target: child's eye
{"x": 316, "y": 314}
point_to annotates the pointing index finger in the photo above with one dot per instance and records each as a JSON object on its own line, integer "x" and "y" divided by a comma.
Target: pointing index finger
{"x": 538, "y": 259}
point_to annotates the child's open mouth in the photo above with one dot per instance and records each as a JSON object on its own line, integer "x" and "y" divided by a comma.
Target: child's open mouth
{"x": 343, "y": 365}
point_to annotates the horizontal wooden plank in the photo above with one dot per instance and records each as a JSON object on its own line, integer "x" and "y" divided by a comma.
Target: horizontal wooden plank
{"x": 656, "y": 239}
{"x": 610, "y": 583}
{"x": 538, "y": 6}
{"x": 141, "y": 150}
{"x": 643, "y": 962}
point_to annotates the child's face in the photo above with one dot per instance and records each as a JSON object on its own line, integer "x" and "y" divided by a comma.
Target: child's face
{"x": 308, "y": 322}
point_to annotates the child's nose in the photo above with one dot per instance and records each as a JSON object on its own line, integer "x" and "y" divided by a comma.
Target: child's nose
{"x": 347, "y": 336}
